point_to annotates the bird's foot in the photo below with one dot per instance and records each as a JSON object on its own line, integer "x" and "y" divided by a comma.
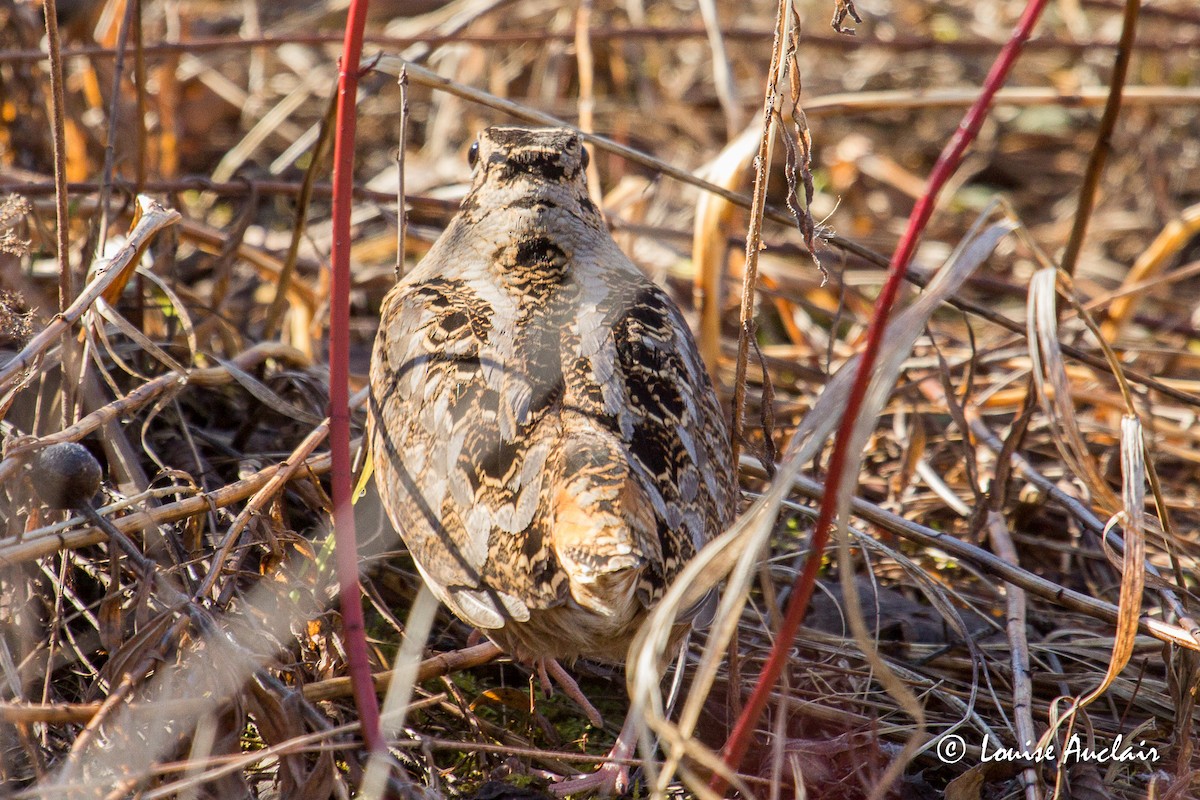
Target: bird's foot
{"x": 569, "y": 686}
{"x": 610, "y": 780}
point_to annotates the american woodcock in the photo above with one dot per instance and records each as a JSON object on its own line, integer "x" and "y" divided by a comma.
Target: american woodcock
{"x": 545, "y": 436}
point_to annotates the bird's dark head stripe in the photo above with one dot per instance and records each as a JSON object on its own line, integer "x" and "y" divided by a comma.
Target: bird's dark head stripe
{"x": 553, "y": 154}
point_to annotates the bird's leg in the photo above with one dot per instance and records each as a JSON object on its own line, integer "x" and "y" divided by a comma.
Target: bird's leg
{"x": 570, "y": 688}
{"x": 543, "y": 678}
{"x": 612, "y": 778}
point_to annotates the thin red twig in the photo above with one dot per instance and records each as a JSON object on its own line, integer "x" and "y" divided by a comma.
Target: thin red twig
{"x": 339, "y": 382}
{"x": 739, "y": 740}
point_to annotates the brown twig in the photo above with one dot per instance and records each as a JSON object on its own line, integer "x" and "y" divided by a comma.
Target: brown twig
{"x": 904, "y": 43}
{"x": 40, "y": 544}
{"x": 1036, "y": 585}
{"x": 772, "y": 102}
{"x": 100, "y": 230}
{"x": 586, "y": 68}
{"x": 1103, "y": 145}
{"x": 739, "y": 740}
{"x": 151, "y": 220}
{"x": 319, "y": 152}
{"x": 66, "y": 280}
{"x": 401, "y": 194}
{"x": 321, "y": 691}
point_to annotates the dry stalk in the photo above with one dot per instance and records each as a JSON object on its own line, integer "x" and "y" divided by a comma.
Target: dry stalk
{"x": 149, "y": 220}
{"x": 772, "y": 104}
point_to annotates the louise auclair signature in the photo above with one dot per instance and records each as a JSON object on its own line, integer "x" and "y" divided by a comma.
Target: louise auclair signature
{"x": 1076, "y": 750}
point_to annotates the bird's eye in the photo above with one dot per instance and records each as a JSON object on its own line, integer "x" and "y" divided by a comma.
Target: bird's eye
{"x": 586, "y": 158}
{"x": 473, "y": 154}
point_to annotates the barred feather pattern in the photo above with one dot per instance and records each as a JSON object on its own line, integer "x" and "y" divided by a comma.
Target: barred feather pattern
{"x": 545, "y": 437}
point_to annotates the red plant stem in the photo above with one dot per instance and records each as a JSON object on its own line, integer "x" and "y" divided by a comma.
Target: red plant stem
{"x": 350, "y": 594}
{"x": 802, "y": 589}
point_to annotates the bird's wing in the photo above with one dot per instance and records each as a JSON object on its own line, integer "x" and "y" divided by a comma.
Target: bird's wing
{"x": 663, "y": 408}
{"x": 448, "y": 477}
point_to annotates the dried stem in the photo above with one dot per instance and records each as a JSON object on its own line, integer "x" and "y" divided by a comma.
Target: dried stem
{"x": 151, "y": 219}
{"x": 114, "y": 118}
{"x": 738, "y": 742}
{"x": 401, "y": 211}
{"x": 904, "y": 43}
{"x": 1103, "y": 146}
{"x": 772, "y": 102}
{"x": 275, "y": 311}
{"x": 66, "y": 281}
{"x": 587, "y": 78}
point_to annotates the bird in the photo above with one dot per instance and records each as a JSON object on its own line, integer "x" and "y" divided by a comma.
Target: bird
{"x": 545, "y": 436}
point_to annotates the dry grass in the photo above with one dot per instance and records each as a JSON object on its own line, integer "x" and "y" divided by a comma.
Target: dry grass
{"x": 218, "y": 672}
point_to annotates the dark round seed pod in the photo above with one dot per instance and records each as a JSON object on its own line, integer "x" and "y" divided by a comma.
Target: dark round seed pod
{"x": 66, "y": 475}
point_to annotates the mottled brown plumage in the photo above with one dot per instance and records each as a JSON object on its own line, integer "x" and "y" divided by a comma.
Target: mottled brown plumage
{"x": 545, "y": 437}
